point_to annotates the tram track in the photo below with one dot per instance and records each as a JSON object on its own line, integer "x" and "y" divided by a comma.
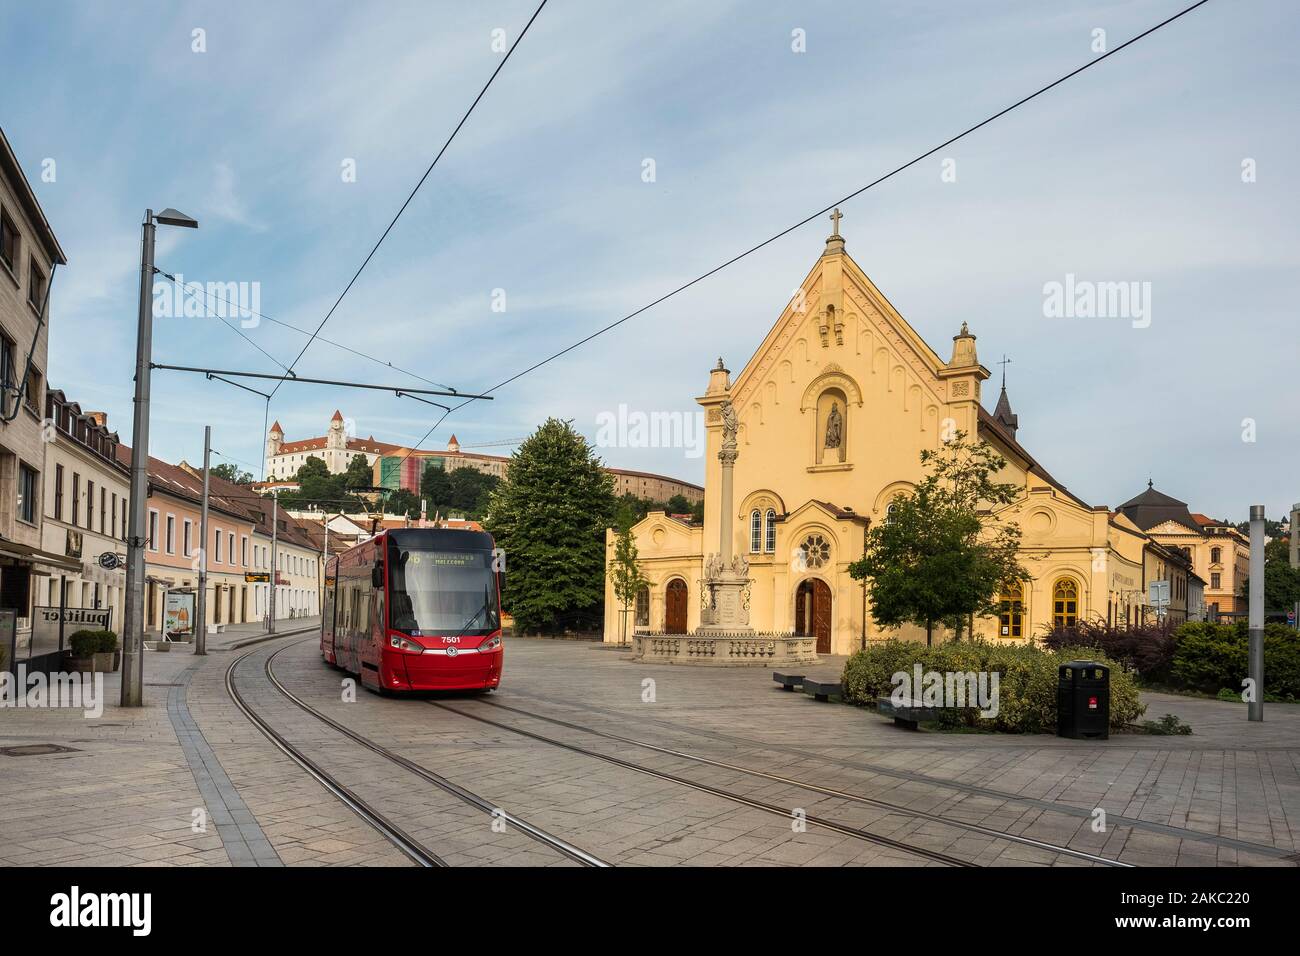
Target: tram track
{"x": 404, "y": 842}
{"x": 776, "y": 778}
{"x": 819, "y": 822}
{"x": 944, "y": 783}
{"x": 372, "y": 816}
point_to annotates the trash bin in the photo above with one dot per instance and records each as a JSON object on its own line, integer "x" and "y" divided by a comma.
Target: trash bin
{"x": 1083, "y": 700}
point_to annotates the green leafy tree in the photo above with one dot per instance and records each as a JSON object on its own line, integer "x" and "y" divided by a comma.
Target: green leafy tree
{"x": 469, "y": 491}
{"x": 678, "y": 505}
{"x": 359, "y": 473}
{"x": 1281, "y": 584}
{"x": 625, "y": 575}
{"x": 435, "y": 487}
{"x": 316, "y": 486}
{"x": 550, "y": 516}
{"x": 232, "y": 473}
{"x": 403, "y": 502}
{"x": 938, "y": 557}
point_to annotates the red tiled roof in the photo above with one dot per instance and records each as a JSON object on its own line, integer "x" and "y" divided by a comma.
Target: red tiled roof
{"x": 306, "y": 444}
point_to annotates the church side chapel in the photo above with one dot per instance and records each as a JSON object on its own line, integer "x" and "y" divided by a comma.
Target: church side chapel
{"x": 806, "y": 447}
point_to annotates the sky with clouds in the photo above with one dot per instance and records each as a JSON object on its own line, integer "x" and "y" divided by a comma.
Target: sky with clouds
{"x": 1130, "y": 172}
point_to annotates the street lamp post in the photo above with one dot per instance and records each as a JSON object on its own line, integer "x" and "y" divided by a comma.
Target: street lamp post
{"x": 1255, "y": 615}
{"x": 133, "y": 615}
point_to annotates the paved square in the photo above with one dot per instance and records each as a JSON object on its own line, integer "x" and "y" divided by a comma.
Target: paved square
{"x": 634, "y": 764}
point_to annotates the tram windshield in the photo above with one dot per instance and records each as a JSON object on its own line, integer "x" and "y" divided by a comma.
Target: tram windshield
{"x": 442, "y": 592}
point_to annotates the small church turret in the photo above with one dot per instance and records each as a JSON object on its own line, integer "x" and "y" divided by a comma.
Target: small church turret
{"x": 963, "y": 373}
{"x": 963, "y": 349}
{"x": 1003, "y": 414}
{"x": 719, "y": 378}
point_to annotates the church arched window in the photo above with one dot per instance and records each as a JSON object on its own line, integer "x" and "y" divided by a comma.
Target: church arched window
{"x": 643, "y": 607}
{"x": 889, "y": 512}
{"x": 769, "y": 540}
{"x": 1012, "y": 616}
{"x": 1065, "y": 602}
{"x": 755, "y": 532}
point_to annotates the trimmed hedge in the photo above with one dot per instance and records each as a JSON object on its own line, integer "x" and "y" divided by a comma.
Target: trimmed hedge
{"x": 1026, "y": 685}
{"x": 86, "y": 642}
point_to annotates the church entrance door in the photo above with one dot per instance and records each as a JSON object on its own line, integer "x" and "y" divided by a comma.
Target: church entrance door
{"x": 812, "y": 612}
{"x": 675, "y": 610}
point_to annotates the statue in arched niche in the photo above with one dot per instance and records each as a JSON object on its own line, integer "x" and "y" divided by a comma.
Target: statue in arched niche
{"x": 835, "y": 431}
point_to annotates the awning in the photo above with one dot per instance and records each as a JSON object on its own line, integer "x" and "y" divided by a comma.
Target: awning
{"x": 25, "y": 552}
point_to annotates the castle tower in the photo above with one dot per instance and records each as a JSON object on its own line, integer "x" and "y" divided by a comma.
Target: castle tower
{"x": 336, "y": 437}
{"x": 274, "y": 439}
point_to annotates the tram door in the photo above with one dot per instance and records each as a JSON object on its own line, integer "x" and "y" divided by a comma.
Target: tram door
{"x": 675, "y": 610}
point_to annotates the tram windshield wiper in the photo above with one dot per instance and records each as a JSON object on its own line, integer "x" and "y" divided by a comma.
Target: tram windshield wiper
{"x": 487, "y": 602}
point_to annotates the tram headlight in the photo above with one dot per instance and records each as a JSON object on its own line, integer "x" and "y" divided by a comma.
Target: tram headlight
{"x": 402, "y": 644}
{"x": 491, "y": 644}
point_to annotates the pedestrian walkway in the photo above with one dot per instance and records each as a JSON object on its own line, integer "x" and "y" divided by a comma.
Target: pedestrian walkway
{"x": 133, "y": 786}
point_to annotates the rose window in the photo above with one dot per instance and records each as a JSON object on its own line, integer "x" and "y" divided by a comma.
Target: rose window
{"x": 817, "y": 550}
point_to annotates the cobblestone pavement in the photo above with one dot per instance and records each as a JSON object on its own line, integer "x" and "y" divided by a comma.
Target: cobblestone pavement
{"x": 136, "y": 780}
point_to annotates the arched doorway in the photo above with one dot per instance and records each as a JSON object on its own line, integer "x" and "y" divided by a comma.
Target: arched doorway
{"x": 675, "y": 607}
{"x": 812, "y": 612}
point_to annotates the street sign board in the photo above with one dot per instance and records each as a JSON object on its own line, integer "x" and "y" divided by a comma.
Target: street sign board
{"x": 257, "y": 577}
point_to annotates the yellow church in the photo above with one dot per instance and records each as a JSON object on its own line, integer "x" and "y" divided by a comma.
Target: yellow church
{"x": 806, "y": 447}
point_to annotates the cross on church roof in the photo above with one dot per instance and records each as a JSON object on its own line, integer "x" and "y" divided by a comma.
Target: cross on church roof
{"x": 835, "y": 218}
{"x": 1004, "y": 363}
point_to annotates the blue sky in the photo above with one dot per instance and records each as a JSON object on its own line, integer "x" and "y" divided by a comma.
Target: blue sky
{"x": 1130, "y": 172}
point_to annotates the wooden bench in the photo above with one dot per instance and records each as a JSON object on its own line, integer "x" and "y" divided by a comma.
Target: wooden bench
{"x": 907, "y": 713}
{"x": 822, "y": 690}
{"x": 787, "y": 681}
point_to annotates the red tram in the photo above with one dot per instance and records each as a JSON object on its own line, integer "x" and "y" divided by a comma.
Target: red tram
{"x": 416, "y": 609}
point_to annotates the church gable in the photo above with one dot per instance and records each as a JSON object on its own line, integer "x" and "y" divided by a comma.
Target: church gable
{"x": 838, "y": 322}
{"x": 657, "y": 535}
{"x": 843, "y": 395}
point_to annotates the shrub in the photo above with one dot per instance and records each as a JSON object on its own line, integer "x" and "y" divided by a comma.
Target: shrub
{"x": 1026, "y": 685}
{"x": 1147, "y": 649}
{"x": 1213, "y": 657}
{"x": 1168, "y": 725}
{"x": 87, "y": 642}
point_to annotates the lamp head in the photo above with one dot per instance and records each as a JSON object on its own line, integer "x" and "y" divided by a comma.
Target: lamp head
{"x": 172, "y": 217}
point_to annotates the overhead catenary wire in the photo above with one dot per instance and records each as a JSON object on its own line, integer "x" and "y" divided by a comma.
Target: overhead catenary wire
{"x": 339, "y": 345}
{"x": 819, "y": 213}
{"x": 402, "y": 390}
{"x": 482, "y": 92}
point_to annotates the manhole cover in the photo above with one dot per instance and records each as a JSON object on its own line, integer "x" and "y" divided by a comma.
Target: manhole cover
{"x": 36, "y": 750}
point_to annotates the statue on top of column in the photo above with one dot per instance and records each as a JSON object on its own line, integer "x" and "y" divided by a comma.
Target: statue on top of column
{"x": 730, "y": 425}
